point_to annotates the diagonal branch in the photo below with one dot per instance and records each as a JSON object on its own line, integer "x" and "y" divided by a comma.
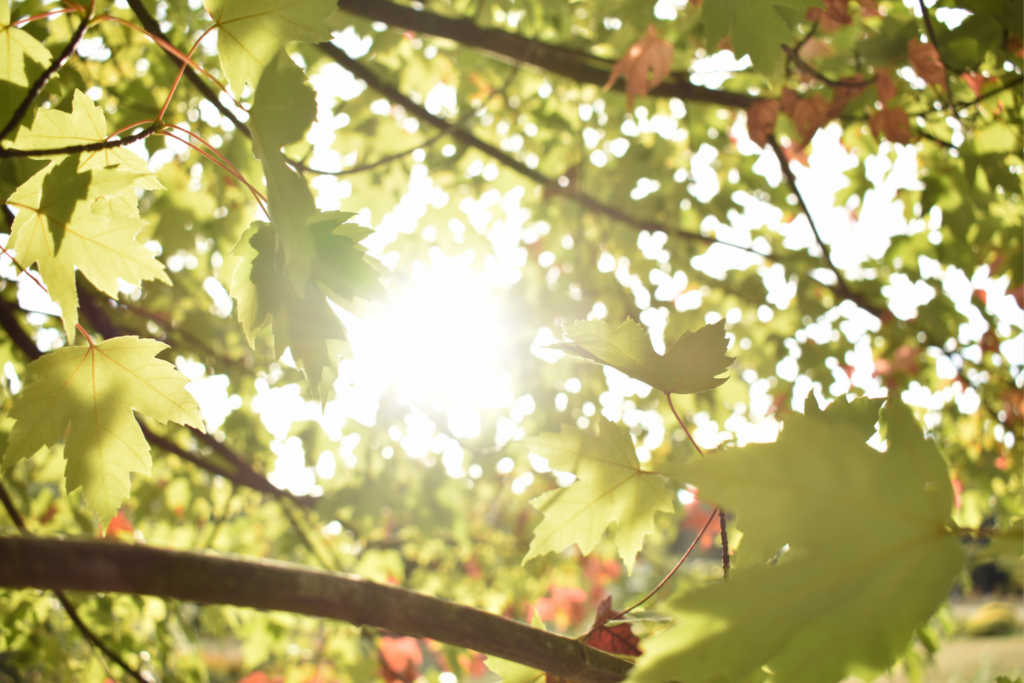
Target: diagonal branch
{"x": 266, "y": 585}
{"x": 90, "y": 147}
{"x": 841, "y": 288}
{"x": 151, "y": 25}
{"x": 44, "y": 78}
{"x": 393, "y": 94}
{"x": 69, "y": 607}
{"x": 552, "y": 58}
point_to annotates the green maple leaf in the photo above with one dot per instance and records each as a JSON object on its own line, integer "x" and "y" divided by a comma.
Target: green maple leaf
{"x": 872, "y": 558}
{"x": 68, "y": 219}
{"x": 250, "y": 32}
{"x": 85, "y": 124}
{"x": 611, "y": 487}
{"x": 22, "y": 60}
{"x": 860, "y": 415}
{"x": 94, "y": 389}
{"x": 290, "y": 266}
{"x": 756, "y": 26}
{"x": 690, "y": 366}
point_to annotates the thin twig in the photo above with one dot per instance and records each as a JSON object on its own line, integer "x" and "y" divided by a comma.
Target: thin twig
{"x": 945, "y": 70}
{"x": 721, "y": 512}
{"x": 151, "y": 25}
{"x": 44, "y": 78}
{"x": 663, "y": 581}
{"x": 841, "y": 288}
{"x": 794, "y": 55}
{"x": 458, "y": 123}
{"x": 83, "y": 628}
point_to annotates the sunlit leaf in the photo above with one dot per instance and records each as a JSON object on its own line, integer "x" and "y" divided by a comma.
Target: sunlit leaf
{"x": 692, "y": 365}
{"x": 611, "y": 487}
{"x": 86, "y": 395}
{"x": 250, "y": 33}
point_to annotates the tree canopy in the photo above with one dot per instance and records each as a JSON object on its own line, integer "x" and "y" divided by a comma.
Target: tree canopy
{"x": 348, "y": 340}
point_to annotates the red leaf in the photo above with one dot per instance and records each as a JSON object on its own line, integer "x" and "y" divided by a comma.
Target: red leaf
{"x": 926, "y": 62}
{"x": 119, "y": 525}
{"x": 400, "y": 658}
{"x": 761, "y": 117}
{"x": 618, "y": 639}
{"x": 976, "y": 81}
{"x": 808, "y": 113}
{"x": 566, "y": 606}
{"x": 894, "y": 124}
{"x": 842, "y": 95}
{"x": 645, "y": 65}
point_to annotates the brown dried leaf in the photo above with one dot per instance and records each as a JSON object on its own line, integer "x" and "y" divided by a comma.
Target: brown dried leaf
{"x": 885, "y": 85}
{"x": 808, "y": 113}
{"x": 927, "y": 63}
{"x": 646, "y": 64}
{"x": 842, "y": 95}
{"x": 834, "y": 16}
{"x": 894, "y": 124}
{"x": 761, "y": 117}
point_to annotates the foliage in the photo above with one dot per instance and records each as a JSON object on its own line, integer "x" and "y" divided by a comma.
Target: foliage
{"x": 624, "y": 314}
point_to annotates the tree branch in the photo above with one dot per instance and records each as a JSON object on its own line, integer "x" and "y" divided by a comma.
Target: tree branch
{"x": 551, "y": 58}
{"x": 151, "y": 25}
{"x": 841, "y": 288}
{"x": 109, "y": 567}
{"x": 44, "y": 78}
{"x": 74, "y": 149}
{"x": 83, "y": 628}
{"x": 945, "y": 69}
{"x": 393, "y": 94}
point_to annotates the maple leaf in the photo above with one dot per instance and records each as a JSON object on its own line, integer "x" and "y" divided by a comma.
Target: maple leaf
{"x": 927, "y": 63}
{"x": 885, "y": 86}
{"x": 644, "y": 66}
{"x": 610, "y": 487}
{"x": 618, "y": 639}
{"x": 690, "y": 366}
{"x": 891, "y": 123}
{"x": 94, "y": 389}
{"x": 843, "y": 95}
{"x": 401, "y": 658}
{"x": 22, "y": 60}
{"x": 290, "y": 266}
{"x": 67, "y": 219}
{"x": 251, "y": 32}
{"x": 832, "y": 17}
{"x": 871, "y": 557}
{"x": 53, "y": 129}
{"x": 756, "y": 27}
{"x": 761, "y": 117}
{"x": 808, "y": 113}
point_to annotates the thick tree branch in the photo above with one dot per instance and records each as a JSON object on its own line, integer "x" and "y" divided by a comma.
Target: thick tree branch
{"x": 44, "y": 78}
{"x": 109, "y": 567}
{"x": 151, "y": 25}
{"x": 551, "y": 58}
{"x": 83, "y": 628}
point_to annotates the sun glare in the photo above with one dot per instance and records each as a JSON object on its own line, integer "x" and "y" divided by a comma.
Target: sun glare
{"x": 439, "y": 342}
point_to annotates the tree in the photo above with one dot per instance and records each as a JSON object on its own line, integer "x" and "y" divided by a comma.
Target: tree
{"x": 541, "y": 359}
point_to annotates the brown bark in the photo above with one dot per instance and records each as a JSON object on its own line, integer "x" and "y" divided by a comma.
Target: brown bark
{"x": 262, "y": 584}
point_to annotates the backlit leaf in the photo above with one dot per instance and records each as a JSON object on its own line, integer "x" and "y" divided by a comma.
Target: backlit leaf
{"x": 250, "y": 33}
{"x": 22, "y": 60}
{"x": 94, "y": 389}
{"x": 690, "y": 366}
{"x": 68, "y": 219}
{"x": 611, "y": 487}
{"x": 644, "y": 66}
{"x": 756, "y": 28}
{"x": 871, "y": 558}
